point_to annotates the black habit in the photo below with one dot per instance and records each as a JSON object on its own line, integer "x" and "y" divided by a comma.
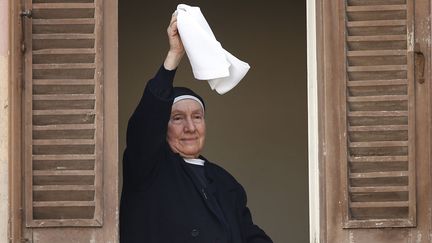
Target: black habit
{"x": 163, "y": 200}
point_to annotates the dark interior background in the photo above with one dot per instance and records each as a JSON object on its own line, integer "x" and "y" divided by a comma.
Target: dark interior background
{"x": 258, "y": 131}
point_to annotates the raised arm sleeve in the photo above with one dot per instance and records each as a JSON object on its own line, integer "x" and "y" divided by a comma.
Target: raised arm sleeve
{"x": 147, "y": 127}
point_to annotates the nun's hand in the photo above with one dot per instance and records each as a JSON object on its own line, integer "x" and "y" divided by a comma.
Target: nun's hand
{"x": 176, "y": 50}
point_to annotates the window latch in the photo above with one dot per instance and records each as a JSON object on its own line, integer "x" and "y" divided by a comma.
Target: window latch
{"x": 26, "y": 13}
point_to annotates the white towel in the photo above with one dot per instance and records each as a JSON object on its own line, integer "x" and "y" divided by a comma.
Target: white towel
{"x": 209, "y": 60}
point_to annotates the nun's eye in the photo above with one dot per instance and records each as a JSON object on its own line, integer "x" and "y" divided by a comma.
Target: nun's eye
{"x": 198, "y": 117}
{"x": 177, "y": 119}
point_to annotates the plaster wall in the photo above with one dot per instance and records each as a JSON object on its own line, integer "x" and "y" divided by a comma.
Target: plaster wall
{"x": 4, "y": 120}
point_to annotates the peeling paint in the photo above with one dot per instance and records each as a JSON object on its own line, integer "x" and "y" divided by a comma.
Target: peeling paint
{"x": 410, "y": 39}
{"x": 351, "y": 237}
{"x": 419, "y": 238}
{"x": 93, "y": 239}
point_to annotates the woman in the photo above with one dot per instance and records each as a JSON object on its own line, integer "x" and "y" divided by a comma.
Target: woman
{"x": 170, "y": 192}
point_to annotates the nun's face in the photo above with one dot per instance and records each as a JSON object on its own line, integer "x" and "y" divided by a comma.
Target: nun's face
{"x": 186, "y": 128}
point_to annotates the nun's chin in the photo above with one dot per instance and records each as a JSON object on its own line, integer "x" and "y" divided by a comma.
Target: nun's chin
{"x": 188, "y": 152}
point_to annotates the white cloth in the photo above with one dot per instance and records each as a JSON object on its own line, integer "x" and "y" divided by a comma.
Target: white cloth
{"x": 209, "y": 60}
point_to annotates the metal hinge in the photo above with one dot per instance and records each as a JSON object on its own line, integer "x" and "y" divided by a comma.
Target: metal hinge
{"x": 26, "y": 13}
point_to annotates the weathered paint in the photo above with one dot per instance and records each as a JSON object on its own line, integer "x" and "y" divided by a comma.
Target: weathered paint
{"x": 314, "y": 199}
{"x": 393, "y": 235}
{"x": 4, "y": 120}
{"x": 84, "y": 235}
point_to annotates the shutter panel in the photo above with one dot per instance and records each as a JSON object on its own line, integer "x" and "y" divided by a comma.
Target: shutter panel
{"x": 380, "y": 114}
{"x": 63, "y": 113}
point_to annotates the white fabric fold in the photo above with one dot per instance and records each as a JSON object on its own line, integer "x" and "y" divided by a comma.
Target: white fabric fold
{"x": 209, "y": 60}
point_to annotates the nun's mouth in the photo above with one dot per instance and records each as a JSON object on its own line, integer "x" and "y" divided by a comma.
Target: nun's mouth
{"x": 189, "y": 140}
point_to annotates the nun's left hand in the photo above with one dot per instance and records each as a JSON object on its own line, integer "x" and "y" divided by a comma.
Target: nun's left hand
{"x": 176, "y": 45}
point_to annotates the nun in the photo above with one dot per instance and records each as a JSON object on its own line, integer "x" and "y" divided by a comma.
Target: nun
{"x": 171, "y": 193}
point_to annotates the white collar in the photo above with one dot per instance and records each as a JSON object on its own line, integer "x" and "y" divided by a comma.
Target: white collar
{"x": 194, "y": 161}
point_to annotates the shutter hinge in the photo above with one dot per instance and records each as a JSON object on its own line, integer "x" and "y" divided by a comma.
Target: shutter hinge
{"x": 23, "y": 47}
{"x": 26, "y": 13}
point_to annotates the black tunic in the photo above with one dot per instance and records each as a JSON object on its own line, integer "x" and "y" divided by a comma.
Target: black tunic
{"x": 163, "y": 201}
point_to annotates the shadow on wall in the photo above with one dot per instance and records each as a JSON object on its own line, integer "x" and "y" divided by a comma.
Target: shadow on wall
{"x": 258, "y": 131}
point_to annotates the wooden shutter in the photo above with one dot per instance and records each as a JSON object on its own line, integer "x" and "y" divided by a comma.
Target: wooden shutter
{"x": 380, "y": 114}
{"x": 63, "y": 113}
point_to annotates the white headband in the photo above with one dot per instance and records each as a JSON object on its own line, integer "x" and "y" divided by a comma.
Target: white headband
{"x": 184, "y": 97}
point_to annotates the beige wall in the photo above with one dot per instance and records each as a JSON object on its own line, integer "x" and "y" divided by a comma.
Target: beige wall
{"x": 258, "y": 131}
{"x": 4, "y": 120}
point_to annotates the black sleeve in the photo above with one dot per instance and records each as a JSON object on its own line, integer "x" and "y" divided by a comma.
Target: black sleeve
{"x": 251, "y": 232}
{"x": 147, "y": 127}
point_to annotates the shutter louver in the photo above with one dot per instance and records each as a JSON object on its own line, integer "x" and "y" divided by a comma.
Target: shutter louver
{"x": 63, "y": 133}
{"x": 380, "y": 169}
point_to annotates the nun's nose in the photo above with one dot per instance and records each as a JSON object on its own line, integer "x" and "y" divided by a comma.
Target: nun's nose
{"x": 190, "y": 125}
